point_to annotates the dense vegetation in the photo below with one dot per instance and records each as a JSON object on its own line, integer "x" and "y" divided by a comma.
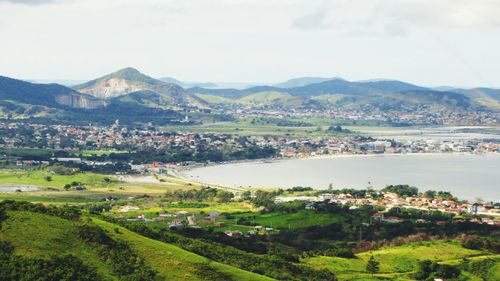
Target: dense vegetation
{"x": 67, "y": 268}
{"x": 117, "y": 254}
{"x": 268, "y": 265}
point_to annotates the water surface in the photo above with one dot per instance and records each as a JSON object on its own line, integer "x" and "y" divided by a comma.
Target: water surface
{"x": 467, "y": 176}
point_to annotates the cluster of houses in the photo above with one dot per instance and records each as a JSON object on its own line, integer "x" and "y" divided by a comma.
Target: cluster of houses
{"x": 115, "y": 137}
{"x": 391, "y": 200}
{"x": 409, "y": 114}
{"x": 181, "y": 219}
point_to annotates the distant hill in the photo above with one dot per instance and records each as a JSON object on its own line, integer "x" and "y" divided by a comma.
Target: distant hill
{"x": 123, "y": 82}
{"x": 19, "y": 97}
{"x": 340, "y": 86}
{"x": 487, "y": 97}
{"x": 188, "y": 84}
{"x": 129, "y": 80}
{"x": 24, "y": 99}
{"x": 384, "y": 94}
{"x": 301, "y": 81}
{"x": 490, "y": 93}
{"x": 335, "y": 86}
{"x": 132, "y": 96}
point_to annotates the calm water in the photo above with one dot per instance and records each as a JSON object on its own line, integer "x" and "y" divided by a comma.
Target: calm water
{"x": 467, "y": 176}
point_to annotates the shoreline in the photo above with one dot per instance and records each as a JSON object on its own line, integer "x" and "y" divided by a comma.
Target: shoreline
{"x": 183, "y": 172}
{"x": 182, "y": 169}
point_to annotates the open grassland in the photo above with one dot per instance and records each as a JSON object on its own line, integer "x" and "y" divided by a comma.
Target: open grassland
{"x": 302, "y": 218}
{"x": 58, "y": 197}
{"x": 97, "y": 187}
{"x": 170, "y": 261}
{"x": 40, "y": 178}
{"x": 118, "y": 190}
{"x": 396, "y": 263}
{"x": 152, "y": 211}
{"x": 43, "y": 236}
{"x": 257, "y": 127}
{"x": 245, "y": 127}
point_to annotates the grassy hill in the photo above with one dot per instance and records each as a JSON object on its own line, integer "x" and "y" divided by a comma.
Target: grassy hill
{"x": 265, "y": 97}
{"x": 173, "y": 262}
{"x": 214, "y": 99}
{"x": 21, "y": 98}
{"x": 36, "y": 235}
{"x": 397, "y": 263}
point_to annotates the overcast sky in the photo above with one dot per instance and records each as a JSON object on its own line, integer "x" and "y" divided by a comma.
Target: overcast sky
{"x": 428, "y": 42}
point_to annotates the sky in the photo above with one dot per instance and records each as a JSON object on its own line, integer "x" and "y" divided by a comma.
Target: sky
{"x": 427, "y": 42}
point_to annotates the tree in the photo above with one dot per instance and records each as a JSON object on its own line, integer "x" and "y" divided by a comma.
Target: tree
{"x": 224, "y": 196}
{"x": 246, "y": 195}
{"x": 372, "y": 266}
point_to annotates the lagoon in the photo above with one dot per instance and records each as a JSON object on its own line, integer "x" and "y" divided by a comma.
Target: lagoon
{"x": 465, "y": 175}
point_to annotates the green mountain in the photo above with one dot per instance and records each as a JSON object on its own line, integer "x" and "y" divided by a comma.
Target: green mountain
{"x": 383, "y": 94}
{"x": 487, "y": 97}
{"x": 51, "y": 95}
{"x": 56, "y": 102}
{"x": 23, "y": 98}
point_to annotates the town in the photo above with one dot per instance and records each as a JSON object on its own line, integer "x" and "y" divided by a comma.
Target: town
{"x": 122, "y": 140}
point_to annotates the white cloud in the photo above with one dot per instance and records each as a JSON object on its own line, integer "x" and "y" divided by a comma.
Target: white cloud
{"x": 396, "y": 17}
{"x": 315, "y": 20}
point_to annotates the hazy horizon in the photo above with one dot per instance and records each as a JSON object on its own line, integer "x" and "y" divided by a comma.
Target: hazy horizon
{"x": 428, "y": 43}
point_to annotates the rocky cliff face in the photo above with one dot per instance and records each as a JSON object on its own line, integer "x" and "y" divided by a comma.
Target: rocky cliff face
{"x": 76, "y": 101}
{"x": 112, "y": 88}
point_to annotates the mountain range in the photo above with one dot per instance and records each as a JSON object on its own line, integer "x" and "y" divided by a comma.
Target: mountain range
{"x": 130, "y": 92}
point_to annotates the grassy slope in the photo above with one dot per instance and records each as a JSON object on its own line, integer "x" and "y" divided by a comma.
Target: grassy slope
{"x": 216, "y": 99}
{"x": 302, "y": 218}
{"x": 264, "y": 97}
{"x": 170, "y": 261}
{"x": 39, "y": 235}
{"x": 328, "y": 99}
{"x": 256, "y": 98}
{"x": 395, "y": 262}
{"x": 58, "y": 181}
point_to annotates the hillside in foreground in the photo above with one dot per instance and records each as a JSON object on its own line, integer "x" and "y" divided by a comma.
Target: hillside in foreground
{"x": 34, "y": 235}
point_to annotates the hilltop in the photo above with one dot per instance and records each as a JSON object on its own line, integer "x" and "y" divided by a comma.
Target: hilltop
{"x": 129, "y": 81}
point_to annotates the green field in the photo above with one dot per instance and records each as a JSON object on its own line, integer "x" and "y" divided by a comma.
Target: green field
{"x": 269, "y": 127}
{"x": 396, "y": 262}
{"x": 302, "y": 218}
{"x": 38, "y": 178}
{"x": 151, "y": 211}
